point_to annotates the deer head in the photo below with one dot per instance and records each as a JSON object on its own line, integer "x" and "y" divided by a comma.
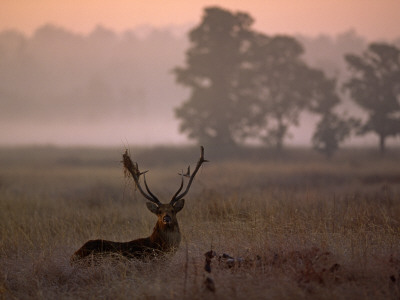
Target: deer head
{"x": 166, "y": 213}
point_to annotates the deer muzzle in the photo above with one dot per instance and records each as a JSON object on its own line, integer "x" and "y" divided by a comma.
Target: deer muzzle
{"x": 167, "y": 220}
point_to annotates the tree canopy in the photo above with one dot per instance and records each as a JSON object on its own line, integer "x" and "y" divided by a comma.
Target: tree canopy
{"x": 213, "y": 64}
{"x": 281, "y": 86}
{"x": 375, "y": 86}
{"x": 243, "y": 83}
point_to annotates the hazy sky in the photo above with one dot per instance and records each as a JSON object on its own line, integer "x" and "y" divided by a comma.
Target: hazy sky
{"x": 370, "y": 18}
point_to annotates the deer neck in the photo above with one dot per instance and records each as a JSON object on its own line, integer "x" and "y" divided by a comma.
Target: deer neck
{"x": 167, "y": 237}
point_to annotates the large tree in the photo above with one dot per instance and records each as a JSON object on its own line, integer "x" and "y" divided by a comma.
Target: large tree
{"x": 280, "y": 86}
{"x": 332, "y": 128}
{"x": 214, "y": 60}
{"x": 375, "y": 86}
{"x": 244, "y": 84}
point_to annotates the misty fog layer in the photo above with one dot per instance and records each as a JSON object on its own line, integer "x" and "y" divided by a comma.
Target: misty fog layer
{"x": 103, "y": 88}
{"x": 106, "y": 88}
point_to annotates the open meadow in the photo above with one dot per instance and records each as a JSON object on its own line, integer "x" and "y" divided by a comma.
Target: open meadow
{"x": 296, "y": 226}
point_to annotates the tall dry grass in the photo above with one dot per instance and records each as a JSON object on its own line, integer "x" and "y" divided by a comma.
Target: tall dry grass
{"x": 298, "y": 228}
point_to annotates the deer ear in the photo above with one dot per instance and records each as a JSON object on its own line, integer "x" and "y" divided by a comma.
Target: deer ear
{"x": 152, "y": 207}
{"x": 178, "y": 205}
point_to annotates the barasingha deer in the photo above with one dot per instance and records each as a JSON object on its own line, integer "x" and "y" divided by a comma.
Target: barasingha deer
{"x": 166, "y": 236}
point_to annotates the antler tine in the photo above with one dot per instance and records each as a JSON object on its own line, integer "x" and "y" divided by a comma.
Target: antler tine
{"x": 199, "y": 163}
{"x": 147, "y": 188}
{"x": 133, "y": 169}
{"x": 187, "y": 174}
{"x": 180, "y": 188}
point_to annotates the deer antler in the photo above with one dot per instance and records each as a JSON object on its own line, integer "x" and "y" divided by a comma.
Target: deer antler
{"x": 133, "y": 169}
{"x": 178, "y": 196}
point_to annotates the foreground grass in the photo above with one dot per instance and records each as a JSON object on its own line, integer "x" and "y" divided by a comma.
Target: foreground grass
{"x": 298, "y": 228}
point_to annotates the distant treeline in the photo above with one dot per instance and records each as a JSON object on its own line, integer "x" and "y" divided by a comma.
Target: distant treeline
{"x": 57, "y": 76}
{"x": 89, "y": 76}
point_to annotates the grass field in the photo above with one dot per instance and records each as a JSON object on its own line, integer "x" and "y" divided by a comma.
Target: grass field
{"x": 298, "y": 226}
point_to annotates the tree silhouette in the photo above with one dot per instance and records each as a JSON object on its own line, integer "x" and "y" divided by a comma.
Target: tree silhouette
{"x": 332, "y": 129}
{"x": 214, "y": 60}
{"x": 375, "y": 86}
{"x": 281, "y": 86}
{"x": 246, "y": 85}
